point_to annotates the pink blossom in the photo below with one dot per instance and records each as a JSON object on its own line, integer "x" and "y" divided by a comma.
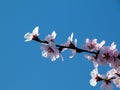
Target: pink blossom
{"x": 116, "y": 73}
{"x": 50, "y": 50}
{"x": 106, "y": 79}
{"x": 92, "y": 58}
{"x": 93, "y": 45}
{"x": 110, "y": 77}
{"x": 71, "y": 46}
{"x": 51, "y": 37}
{"x": 107, "y": 82}
{"x": 106, "y": 86}
{"x": 110, "y": 51}
{"x": 99, "y": 45}
{"x": 90, "y": 45}
{"x": 69, "y": 41}
{"x": 115, "y": 63}
{"x": 108, "y": 55}
{"x": 111, "y": 73}
{"x": 97, "y": 61}
{"x": 101, "y": 60}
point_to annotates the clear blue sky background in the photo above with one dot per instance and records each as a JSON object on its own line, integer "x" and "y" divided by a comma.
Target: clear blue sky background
{"x": 22, "y": 66}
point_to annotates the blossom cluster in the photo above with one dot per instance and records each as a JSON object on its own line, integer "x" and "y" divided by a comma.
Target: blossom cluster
{"x": 97, "y": 53}
{"x": 112, "y": 76}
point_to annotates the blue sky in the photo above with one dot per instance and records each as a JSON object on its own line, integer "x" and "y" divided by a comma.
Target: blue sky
{"x": 22, "y": 66}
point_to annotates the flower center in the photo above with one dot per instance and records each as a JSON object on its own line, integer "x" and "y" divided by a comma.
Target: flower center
{"x": 34, "y": 36}
{"x": 107, "y": 81}
{"x": 106, "y": 56}
{"x": 91, "y": 46}
{"x": 50, "y": 50}
{"x": 98, "y": 78}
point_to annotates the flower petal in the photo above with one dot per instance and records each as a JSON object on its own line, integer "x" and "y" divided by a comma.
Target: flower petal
{"x": 87, "y": 40}
{"x": 113, "y": 46}
{"x": 101, "y": 44}
{"x": 53, "y": 34}
{"x": 75, "y": 42}
{"x": 28, "y": 36}
{"x": 35, "y": 31}
{"x": 94, "y": 41}
{"x": 70, "y": 38}
{"x": 94, "y": 73}
{"x": 93, "y": 82}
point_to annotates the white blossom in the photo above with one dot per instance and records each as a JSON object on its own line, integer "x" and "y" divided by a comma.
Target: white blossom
{"x": 117, "y": 82}
{"x": 95, "y": 77}
{"x": 71, "y": 45}
{"x": 29, "y": 36}
{"x": 74, "y": 50}
{"x": 69, "y": 41}
{"x": 70, "y": 38}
